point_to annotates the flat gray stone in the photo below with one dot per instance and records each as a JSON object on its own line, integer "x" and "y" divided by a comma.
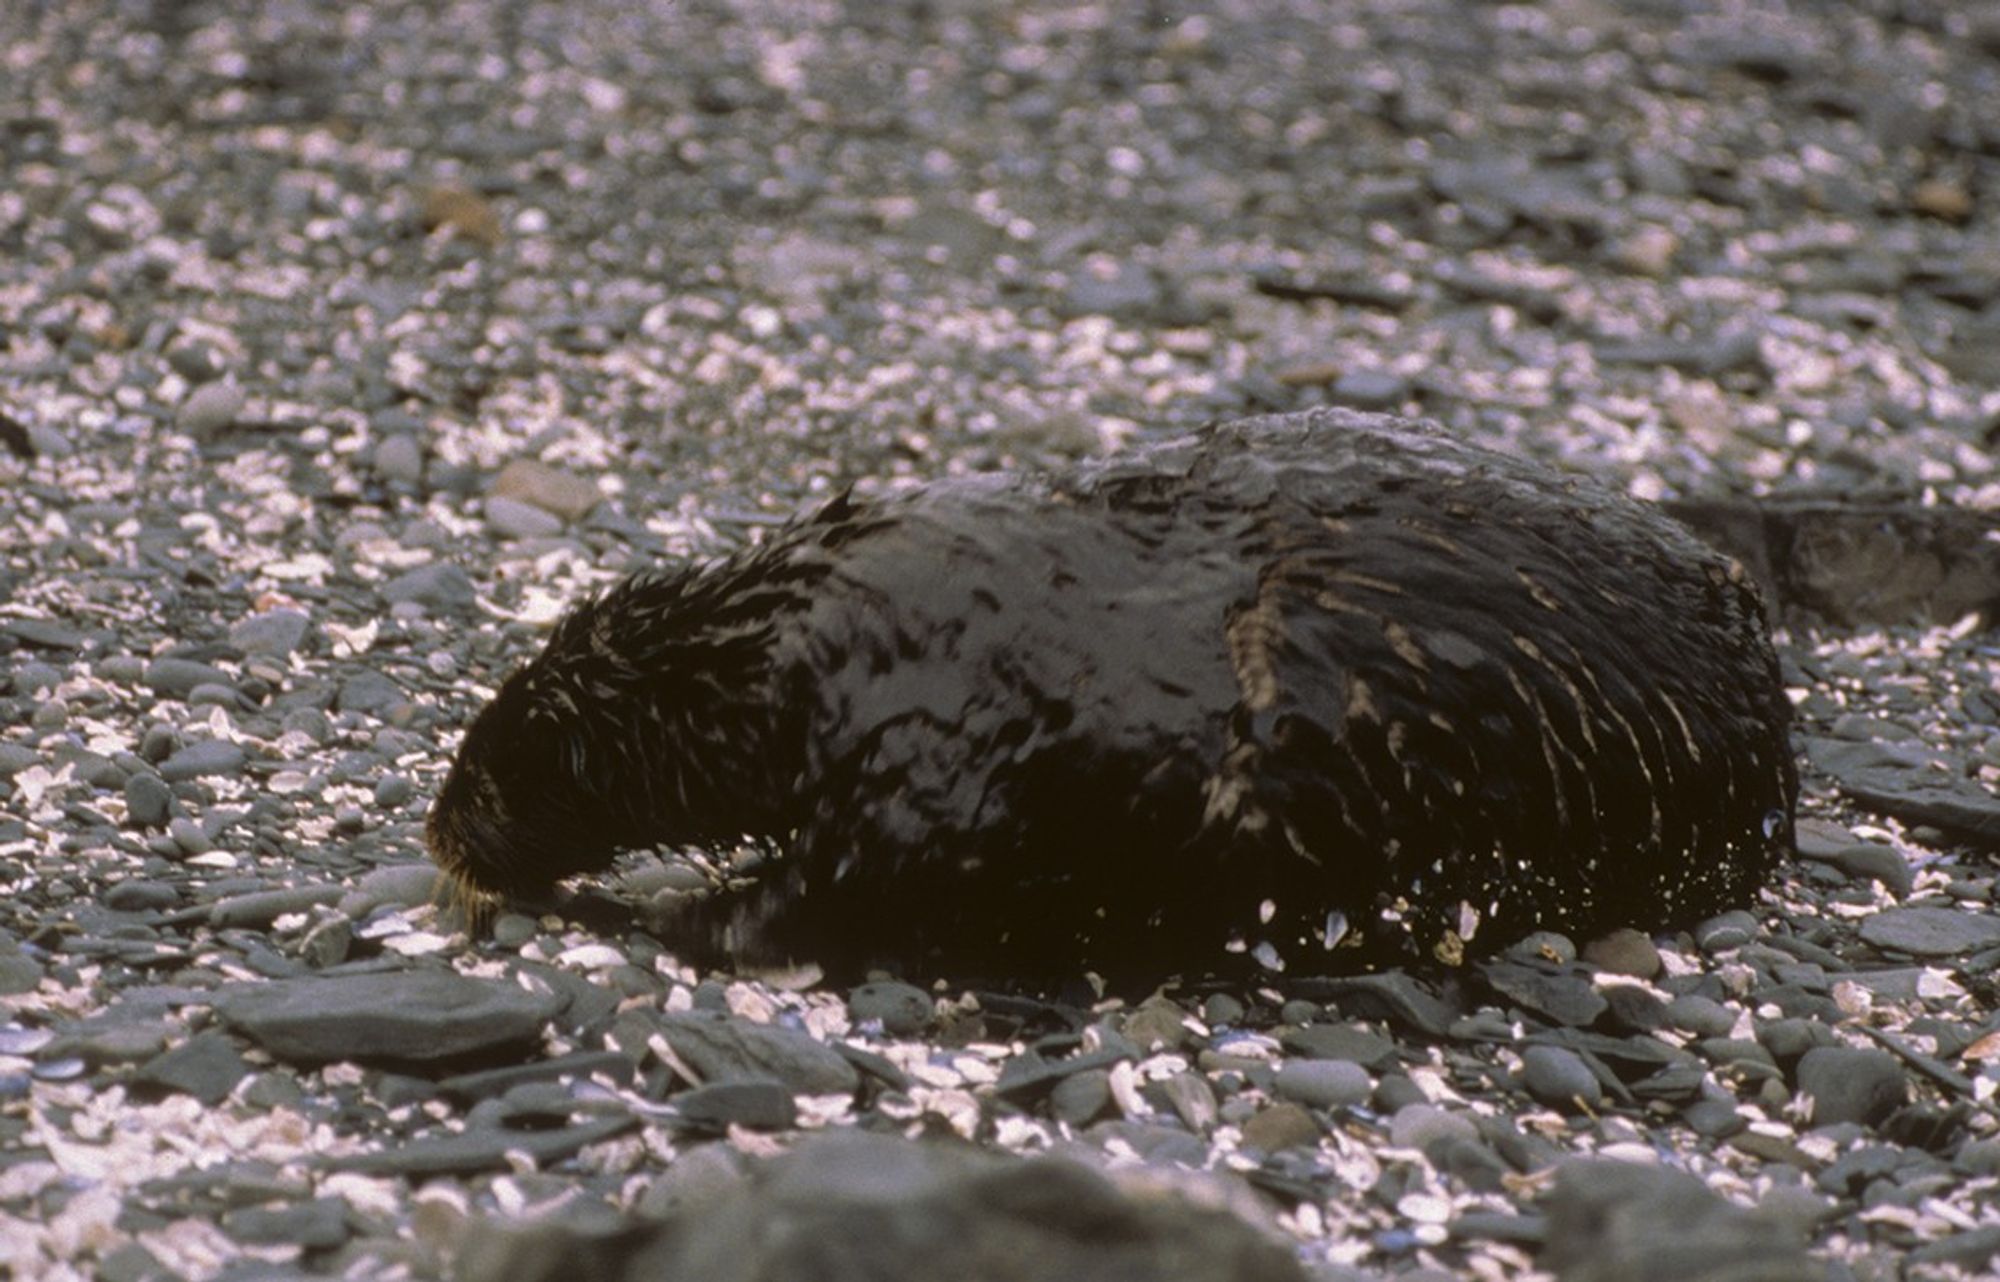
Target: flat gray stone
{"x": 422, "y": 1016}
{"x": 1931, "y": 932}
{"x": 202, "y": 758}
{"x": 1852, "y": 1084}
{"x": 1624, "y": 1222}
{"x": 728, "y": 1049}
{"x": 438, "y": 586}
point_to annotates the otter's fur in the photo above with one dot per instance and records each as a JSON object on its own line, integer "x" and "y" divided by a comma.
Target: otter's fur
{"x": 1289, "y": 683}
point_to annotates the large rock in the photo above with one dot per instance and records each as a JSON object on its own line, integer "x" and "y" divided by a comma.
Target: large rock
{"x": 423, "y": 1016}
{"x": 1623, "y": 1222}
{"x": 863, "y": 1206}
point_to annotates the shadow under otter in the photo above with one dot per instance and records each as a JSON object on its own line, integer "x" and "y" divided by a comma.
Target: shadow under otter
{"x": 1306, "y": 691}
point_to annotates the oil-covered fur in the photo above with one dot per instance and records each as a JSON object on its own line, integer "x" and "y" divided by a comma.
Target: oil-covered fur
{"x": 1290, "y": 685}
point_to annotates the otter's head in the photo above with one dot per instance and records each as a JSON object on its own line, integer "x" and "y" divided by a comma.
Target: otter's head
{"x": 527, "y": 802}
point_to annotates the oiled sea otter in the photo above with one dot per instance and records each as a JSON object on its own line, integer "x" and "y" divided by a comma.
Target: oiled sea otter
{"x": 1287, "y": 684}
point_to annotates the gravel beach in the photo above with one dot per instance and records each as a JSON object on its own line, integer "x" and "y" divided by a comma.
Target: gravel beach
{"x": 341, "y": 346}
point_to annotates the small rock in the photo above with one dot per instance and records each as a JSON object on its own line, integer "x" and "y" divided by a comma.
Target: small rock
{"x": 276, "y": 632}
{"x": 1558, "y": 1077}
{"x": 1624, "y": 1222}
{"x": 760, "y": 1106}
{"x": 1279, "y": 1127}
{"x": 318, "y": 1225}
{"x": 903, "y": 1010}
{"x": 138, "y": 896}
{"x": 512, "y": 519}
{"x": 400, "y": 458}
{"x": 1851, "y": 1084}
{"x": 176, "y": 678}
{"x": 554, "y": 491}
{"x": 1419, "y": 1126}
{"x": 1324, "y": 1083}
{"x": 206, "y": 1066}
{"x": 1726, "y": 931}
{"x": 1624, "y": 952}
{"x": 201, "y": 758}
{"x": 1702, "y": 1016}
{"x": 259, "y": 908}
{"x": 437, "y": 586}
{"x": 148, "y": 801}
{"x": 1081, "y": 1098}
{"x": 462, "y": 212}
{"x": 1371, "y": 389}
{"x": 1562, "y": 996}
{"x": 730, "y": 1049}
{"x": 1942, "y": 199}
{"x": 210, "y": 410}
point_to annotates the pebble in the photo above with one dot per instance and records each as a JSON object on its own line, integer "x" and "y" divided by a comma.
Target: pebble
{"x": 440, "y": 587}
{"x": 563, "y": 495}
{"x": 729, "y": 1049}
{"x": 148, "y": 801}
{"x": 1851, "y": 1084}
{"x": 760, "y": 1106}
{"x": 513, "y": 519}
{"x": 259, "y": 908}
{"x": 1623, "y": 1222}
{"x": 177, "y": 678}
{"x": 902, "y": 1009}
{"x": 210, "y": 410}
{"x": 206, "y": 1066}
{"x": 1324, "y": 1083}
{"x": 1623, "y": 952}
{"x": 1558, "y": 1077}
{"x": 1725, "y": 931}
{"x": 138, "y": 896}
{"x": 1279, "y": 1127}
{"x": 1419, "y": 1126}
{"x": 203, "y": 758}
{"x": 1081, "y": 1098}
{"x": 273, "y": 632}
{"x": 400, "y": 458}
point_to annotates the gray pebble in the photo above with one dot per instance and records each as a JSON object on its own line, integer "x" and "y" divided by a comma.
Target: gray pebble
{"x": 1371, "y": 389}
{"x": 902, "y": 1009}
{"x": 275, "y": 632}
{"x": 1725, "y": 931}
{"x": 1324, "y": 1083}
{"x": 148, "y": 801}
{"x": 438, "y": 586}
{"x": 512, "y": 930}
{"x": 1702, "y": 1016}
{"x": 393, "y": 791}
{"x": 1081, "y": 1098}
{"x": 1851, "y": 1084}
{"x": 138, "y": 896}
{"x": 760, "y": 1106}
{"x": 176, "y": 678}
{"x": 369, "y": 692}
{"x": 259, "y": 908}
{"x": 400, "y": 458}
{"x": 16, "y": 757}
{"x": 1421, "y": 1125}
{"x": 158, "y": 742}
{"x": 210, "y": 410}
{"x": 188, "y": 835}
{"x": 1558, "y": 1077}
{"x": 203, "y": 757}
{"x": 513, "y": 519}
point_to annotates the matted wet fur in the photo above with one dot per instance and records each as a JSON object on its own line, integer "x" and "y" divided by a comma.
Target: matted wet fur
{"x": 1285, "y": 686}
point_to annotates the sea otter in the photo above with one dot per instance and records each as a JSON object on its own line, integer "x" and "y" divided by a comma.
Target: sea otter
{"x": 1300, "y": 691}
